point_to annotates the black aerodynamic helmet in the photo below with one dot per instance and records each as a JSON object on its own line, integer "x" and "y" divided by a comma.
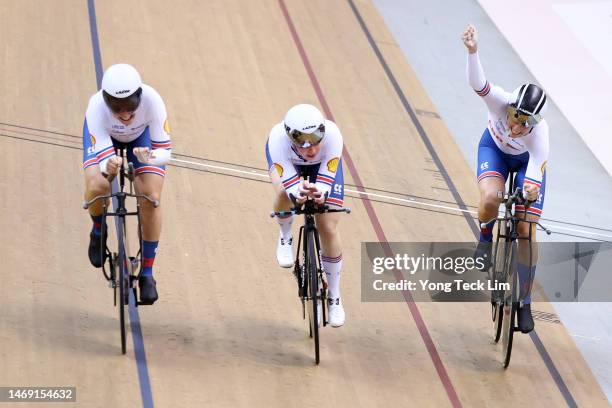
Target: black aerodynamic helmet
{"x": 528, "y": 104}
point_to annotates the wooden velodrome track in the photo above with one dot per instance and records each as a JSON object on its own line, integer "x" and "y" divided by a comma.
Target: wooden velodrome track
{"x": 227, "y": 330}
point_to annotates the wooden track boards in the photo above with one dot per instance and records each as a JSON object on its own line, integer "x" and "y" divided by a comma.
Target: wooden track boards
{"x": 227, "y": 330}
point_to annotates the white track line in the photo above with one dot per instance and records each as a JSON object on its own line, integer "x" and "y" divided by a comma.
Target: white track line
{"x": 596, "y": 339}
{"x": 403, "y": 200}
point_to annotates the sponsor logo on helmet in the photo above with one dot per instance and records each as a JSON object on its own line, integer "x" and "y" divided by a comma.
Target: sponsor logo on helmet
{"x": 122, "y": 92}
{"x": 309, "y": 127}
{"x": 279, "y": 169}
{"x": 332, "y": 165}
{"x": 543, "y": 167}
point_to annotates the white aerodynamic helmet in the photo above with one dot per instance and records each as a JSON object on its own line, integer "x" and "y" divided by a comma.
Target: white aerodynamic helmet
{"x": 121, "y": 88}
{"x": 305, "y": 125}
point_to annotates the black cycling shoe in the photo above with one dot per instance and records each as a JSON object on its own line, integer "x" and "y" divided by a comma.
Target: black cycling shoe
{"x": 148, "y": 290}
{"x": 96, "y": 250}
{"x": 484, "y": 250}
{"x": 525, "y": 320}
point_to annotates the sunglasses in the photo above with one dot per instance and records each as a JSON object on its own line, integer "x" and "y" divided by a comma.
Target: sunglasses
{"x": 523, "y": 118}
{"x": 118, "y": 105}
{"x": 301, "y": 139}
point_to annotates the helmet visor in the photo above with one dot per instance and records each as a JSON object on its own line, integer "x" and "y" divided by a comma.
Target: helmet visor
{"x": 301, "y": 139}
{"x": 524, "y": 119}
{"x": 118, "y": 105}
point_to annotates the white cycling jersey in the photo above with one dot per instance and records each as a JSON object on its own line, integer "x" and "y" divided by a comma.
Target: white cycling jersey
{"x": 497, "y": 100}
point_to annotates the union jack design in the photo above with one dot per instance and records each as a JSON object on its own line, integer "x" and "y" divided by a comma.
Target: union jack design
{"x": 166, "y": 144}
{"x": 490, "y": 174}
{"x": 334, "y": 201}
{"x": 290, "y": 182}
{"x": 321, "y": 178}
{"x": 485, "y": 90}
{"x": 151, "y": 169}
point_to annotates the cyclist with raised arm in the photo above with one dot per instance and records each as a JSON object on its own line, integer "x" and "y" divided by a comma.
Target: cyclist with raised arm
{"x": 128, "y": 113}
{"x": 516, "y": 139}
{"x": 305, "y": 142}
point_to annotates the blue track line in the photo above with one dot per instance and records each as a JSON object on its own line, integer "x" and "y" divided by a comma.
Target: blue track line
{"x": 139, "y": 349}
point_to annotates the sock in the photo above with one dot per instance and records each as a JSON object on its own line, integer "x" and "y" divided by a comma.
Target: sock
{"x": 524, "y": 272}
{"x": 97, "y": 224}
{"x": 149, "y": 249}
{"x": 486, "y": 233}
{"x": 285, "y": 226}
{"x": 332, "y": 267}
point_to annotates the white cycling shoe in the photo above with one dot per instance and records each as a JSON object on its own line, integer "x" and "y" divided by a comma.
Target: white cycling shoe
{"x": 336, "y": 312}
{"x": 284, "y": 252}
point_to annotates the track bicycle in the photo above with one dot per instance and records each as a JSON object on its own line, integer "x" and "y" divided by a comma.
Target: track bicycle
{"x": 124, "y": 267}
{"x": 309, "y": 273}
{"x": 505, "y": 298}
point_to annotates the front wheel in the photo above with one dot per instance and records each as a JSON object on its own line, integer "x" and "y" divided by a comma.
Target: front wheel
{"x": 313, "y": 290}
{"x": 124, "y": 271}
{"x": 497, "y": 311}
{"x": 123, "y": 292}
{"x": 498, "y": 277}
{"x": 509, "y": 329}
{"x": 510, "y": 306}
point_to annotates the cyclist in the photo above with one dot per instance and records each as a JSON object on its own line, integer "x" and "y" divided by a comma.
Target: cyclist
{"x": 516, "y": 139}
{"x": 306, "y": 142}
{"x": 128, "y": 113}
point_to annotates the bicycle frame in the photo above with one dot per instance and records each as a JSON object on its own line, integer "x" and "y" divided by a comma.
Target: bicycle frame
{"x": 119, "y": 195}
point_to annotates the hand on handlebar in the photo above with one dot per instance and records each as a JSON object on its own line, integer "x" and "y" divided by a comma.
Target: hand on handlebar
{"x": 309, "y": 190}
{"x": 531, "y": 192}
{"x": 144, "y": 154}
{"x": 113, "y": 165}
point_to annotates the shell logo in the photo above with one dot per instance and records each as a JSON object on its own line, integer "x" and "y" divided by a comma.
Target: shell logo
{"x": 332, "y": 165}
{"x": 279, "y": 169}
